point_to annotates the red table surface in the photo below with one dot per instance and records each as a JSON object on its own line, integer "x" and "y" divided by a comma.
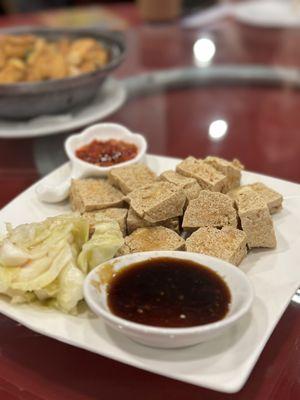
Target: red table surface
{"x": 264, "y": 126}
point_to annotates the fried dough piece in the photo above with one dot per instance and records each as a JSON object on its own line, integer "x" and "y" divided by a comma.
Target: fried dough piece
{"x": 44, "y": 59}
{"x": 46, "y": 63}
{"x": 17, "y": 46}
{"x": 63, "y": 46}
{"x": 2, "y": 58}
{"x": 94, "y": 60}
{"x": 78, "y": 50}
{"x": 87, "y": 54}
{"x": 13, "y": 71}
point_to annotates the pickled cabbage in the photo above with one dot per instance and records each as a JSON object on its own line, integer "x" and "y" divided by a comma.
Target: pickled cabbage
{"x": 103, "y": 245}
{"x": 48, "y": 261}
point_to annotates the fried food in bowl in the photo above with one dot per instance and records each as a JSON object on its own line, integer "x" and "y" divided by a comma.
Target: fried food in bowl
{"x": 30, "y": 58}
{"x": 46, "y": 71}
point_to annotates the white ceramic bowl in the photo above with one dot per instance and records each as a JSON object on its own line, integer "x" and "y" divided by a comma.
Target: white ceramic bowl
{"x": 241, "y": 299}
{"x": 82, "y": 169}
{"x": 105, "y": 131}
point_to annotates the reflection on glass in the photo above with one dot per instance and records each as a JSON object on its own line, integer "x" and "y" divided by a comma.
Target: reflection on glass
{"x": 204, "y": 50}
{"x": 217, "y": 129}
{"x": 296, "y": 297}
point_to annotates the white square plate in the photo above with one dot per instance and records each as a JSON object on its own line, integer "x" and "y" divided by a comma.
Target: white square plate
{"x": 223, "y": 364}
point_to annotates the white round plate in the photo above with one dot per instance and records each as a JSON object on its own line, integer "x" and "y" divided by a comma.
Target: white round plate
{"x": 268, "y": 13}
{"x": 110, "y": 97}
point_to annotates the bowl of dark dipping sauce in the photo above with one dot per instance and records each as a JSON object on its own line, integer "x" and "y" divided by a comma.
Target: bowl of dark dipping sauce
{"x": 168, "y": 299}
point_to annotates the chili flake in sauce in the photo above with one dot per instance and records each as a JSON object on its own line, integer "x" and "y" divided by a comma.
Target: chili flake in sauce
{"x": 169, "y": 292}
{"x": 107, "y": 153}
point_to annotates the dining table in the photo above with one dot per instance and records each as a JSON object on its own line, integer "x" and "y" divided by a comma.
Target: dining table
{"x": 218, "y": 87}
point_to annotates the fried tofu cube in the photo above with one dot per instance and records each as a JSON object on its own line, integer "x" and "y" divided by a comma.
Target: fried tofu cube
{"x": 231, "y": 169}
{"x": 210, "y": 209}
{"x": 190, "y": 186}
{"x": 255, "y": 218}
{"x": 227, "y": 243}
{"x": 270, "y": 196}
{"x": 132, "y": 177}
{"x": 93, "y": 194}
{"x": 134, "y": 221}
{"x": 158, "y": 201}
{"x": 206, "y": 175}
{"x": 152, "y": 238}
{"x": 117, "y": 214}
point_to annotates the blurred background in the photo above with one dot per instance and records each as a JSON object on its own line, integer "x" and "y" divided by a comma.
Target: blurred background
{"x": 23, "y": 6}
{"x": 103, "y": 14}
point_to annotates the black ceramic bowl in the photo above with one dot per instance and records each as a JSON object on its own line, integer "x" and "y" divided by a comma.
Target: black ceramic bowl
{"x": 27, "y": 100}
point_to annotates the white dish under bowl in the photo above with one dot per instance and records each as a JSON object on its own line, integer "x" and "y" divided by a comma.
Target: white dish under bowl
{"x": 95, "y": 293}
{"x": 111, "y": 97}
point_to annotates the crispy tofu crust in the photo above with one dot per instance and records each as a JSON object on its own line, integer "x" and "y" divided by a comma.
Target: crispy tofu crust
{"x": 222, "y": 218}
{"x": 255, "y": 218}
{"x": 117, "y": 214}
{"x": 152, "y": 238}
{"x": 206, "y": 175}
{"x": 227, "y": 243}
{"x": 132, "y": 177}
{"x": 231, "y": 169}
{"x": 158, "y": 201}
{"x": 134, "y": 222}
{"x": 210, "y": 209}
{"x": 93, "y": 194}
{"x": 271, "y": 197}
{"x": 190, "y": 186}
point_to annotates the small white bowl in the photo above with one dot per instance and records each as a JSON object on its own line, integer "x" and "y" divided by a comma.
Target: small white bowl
{"x": 95, "y": 294}
{"x": 82, "y": 169}
{"x": 105, "y": 131}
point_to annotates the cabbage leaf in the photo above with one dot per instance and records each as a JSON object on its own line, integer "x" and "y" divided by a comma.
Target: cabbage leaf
{"x": 103, "y": 245}
{"x": 47, "y": 261}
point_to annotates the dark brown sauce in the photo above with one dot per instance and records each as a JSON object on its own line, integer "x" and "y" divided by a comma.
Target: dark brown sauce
{"x": 168, "y": 292}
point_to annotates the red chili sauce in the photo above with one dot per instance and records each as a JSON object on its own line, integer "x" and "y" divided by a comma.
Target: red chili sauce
{"x": 107, "y": 153}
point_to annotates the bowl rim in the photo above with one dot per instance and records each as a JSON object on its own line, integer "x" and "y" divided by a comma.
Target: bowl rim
{"x": 110, "y": 38}
{"x": 148, "y": 329}
{"x": 89, "y": 132}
